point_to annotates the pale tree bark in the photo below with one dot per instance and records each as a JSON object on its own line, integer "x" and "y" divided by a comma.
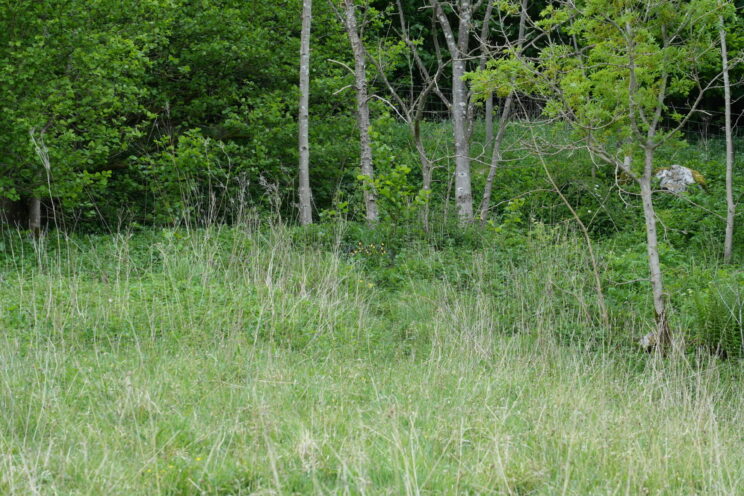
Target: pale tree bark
{"x": 644, "y": 117}
{"x": 362, "y": 110}
{"x": 427, "y": 168}
{"x": 489, "y": 120}
{"x": 649, "y": 145}
{"x": 663, "y": 333}
{"x": 458, "y": 49}
{"x": 485, "y": 51}
{"x": 648, "y": 140}
{"x": 503, "y": 121}
{"x": 414, "y": 110}
{"x": 728, "y": 243}
{"x": 305, "y": 194}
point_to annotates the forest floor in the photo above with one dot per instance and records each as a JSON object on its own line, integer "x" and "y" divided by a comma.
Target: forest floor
{"x": 244, "y": 361}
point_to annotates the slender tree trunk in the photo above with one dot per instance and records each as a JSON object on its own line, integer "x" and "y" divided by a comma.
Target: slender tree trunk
{"x": 484, "y": 55}
{"x": 305, "y": 194}
{"x": 360, "y": 81}
{"x": 413, "y": 107}
{"x": 728, "y": 244}
{"x": 503, "y": 121}
{"x": 458, "y": 49}
{"x": 34, "y": 217}
{"x": 495, "y": 158}
{"x": 463, "y": 188}
{"x": 489, "y": 121}
{"x": 663, "y": 333}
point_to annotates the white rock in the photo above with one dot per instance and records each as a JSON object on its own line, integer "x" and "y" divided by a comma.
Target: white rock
{"x": 676, "y": 178}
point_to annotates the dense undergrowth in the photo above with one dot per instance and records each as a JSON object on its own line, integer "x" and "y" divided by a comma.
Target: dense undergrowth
{"x": 340, "y": 359}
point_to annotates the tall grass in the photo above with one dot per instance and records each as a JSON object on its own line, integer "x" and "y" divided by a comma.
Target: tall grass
{"x": 247, "y": 361}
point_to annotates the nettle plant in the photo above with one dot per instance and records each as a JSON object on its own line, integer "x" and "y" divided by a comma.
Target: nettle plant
{"x": 609, "y": 69}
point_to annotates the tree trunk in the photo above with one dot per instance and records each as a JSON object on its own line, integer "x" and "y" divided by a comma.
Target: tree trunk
{"x": 489, "y": 121}
{"x": 305, "y": 194}
{"x": 34, "y": 217}
{"x": 360, "y": 78}
{"x": 728, "y": 244}
{"x": 458, "y": 49}
{"x": 463, "y": 188}
{"x": 663, "y": 334}
{"x": 503, "y": 121}
{"x": 495, "y": 158}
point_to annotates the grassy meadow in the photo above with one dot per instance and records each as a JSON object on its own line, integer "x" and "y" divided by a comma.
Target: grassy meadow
{"x": 268, "y": 360}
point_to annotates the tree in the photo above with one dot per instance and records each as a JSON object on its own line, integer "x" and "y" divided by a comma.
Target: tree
{"x": 614, "y": 87}
{"x": 72, "y": 89}
{"x": 503, "y": 119}
{"x": 410, "y": 100}
{"x": 362, "y": 108}
{"x": 458, "y": 47}
{"x": 728, "y": 244}
{"x": 306, "y": 216}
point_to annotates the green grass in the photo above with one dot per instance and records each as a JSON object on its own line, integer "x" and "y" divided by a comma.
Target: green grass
{"x": 247, "y": 361}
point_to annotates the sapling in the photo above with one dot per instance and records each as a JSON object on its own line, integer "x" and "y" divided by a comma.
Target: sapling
{"x": 609, "y": 71}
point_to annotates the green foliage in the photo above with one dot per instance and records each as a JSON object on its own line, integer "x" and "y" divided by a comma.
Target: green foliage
{"x": 109, "y": 89}
{"x": 623, "y": 40}
{"x": 74, "y": 82}
{"x": 512, "y": 217}
{"x": 156, "y": 110}
{"x": 196, "y": 177}
{"x": 718, "y": 315}
{"x": 398, "y": 187}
